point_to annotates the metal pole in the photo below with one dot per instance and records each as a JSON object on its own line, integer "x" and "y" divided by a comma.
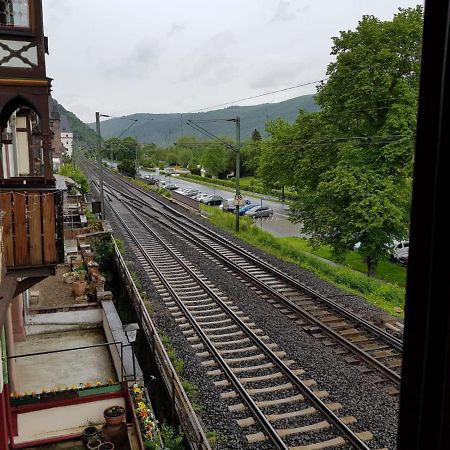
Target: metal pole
{"x": 261, "y": 216}
{"x": 100, "y": 164}
{"x": 74, "y": 148}
{"x": 238, "y": 162}
{"x": 136, "y": 176}
{"x": 134, "y": 364}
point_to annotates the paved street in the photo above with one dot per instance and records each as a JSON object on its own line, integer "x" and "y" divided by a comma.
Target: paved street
{"x": 278, "y": 225}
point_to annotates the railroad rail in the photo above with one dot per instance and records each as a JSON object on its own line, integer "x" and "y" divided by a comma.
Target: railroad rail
{"x": 231, "y": 345}
{"x": 360, "y": 342}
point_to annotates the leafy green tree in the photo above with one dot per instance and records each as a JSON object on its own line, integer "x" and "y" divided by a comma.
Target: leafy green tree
{"x": 256, "y": 135}
{"x": 250, "y": 157}
{"x": 120, "y": 149}
{"x": 127, "y": 167}
{"x": 361, "y": 191}
{"x": 351, "y": 164}
{"x": 215, "y": 158}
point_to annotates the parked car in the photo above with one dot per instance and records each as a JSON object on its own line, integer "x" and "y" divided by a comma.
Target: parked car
{"x": 244, "y": 209}
{"x": 228, "y": 204}
{"x": 259, "y": 211}
{"x": 171, "y": 187}
{"x": 192, "y": 193}
{"x": 149, "y": 179}
{"x": 400, "y": 252}
{"x": 201, "y": 195}
{"x": 212, "y": 200}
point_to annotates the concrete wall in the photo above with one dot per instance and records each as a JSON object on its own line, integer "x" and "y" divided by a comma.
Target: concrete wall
{"x": 63, "y": 321}
{"x": 112, "y": 326}
{"x": 61, "y": 420}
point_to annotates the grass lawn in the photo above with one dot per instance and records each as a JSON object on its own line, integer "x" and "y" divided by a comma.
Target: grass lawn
{"x": 386, "y": 270}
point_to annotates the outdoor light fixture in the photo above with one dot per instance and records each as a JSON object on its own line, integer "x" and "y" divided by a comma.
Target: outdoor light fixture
{"x": 130, "y": 331}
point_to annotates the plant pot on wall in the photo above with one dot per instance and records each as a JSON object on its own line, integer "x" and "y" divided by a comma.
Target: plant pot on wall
{"x": 90, "y": 434}
{"x": 106, "y": 446}
{"x": 79, "y": 288}
{"x": 94, "y": 444}
{"x": 114, "y": 415}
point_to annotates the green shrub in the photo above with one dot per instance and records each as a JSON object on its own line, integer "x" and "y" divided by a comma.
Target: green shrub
{"x": 172, "y": 438}
{"x": 77, "y": 175}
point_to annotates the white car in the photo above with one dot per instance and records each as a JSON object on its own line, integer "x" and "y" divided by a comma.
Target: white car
{"x": 400, "y": 252}
{"x": 201, "y": 196}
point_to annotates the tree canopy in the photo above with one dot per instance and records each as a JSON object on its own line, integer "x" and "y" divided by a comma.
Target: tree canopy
{"x": 351, "y": 163}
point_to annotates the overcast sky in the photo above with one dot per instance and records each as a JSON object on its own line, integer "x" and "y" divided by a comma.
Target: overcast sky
{"x": 121, "y": 57}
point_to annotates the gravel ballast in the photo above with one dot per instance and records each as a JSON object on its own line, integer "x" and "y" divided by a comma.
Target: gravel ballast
{"x": 360, "y": 395}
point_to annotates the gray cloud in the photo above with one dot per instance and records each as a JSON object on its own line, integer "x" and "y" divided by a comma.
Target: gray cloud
{"x": 214, "y": 60}
{"x": 284, "y": 12}
{"x": 136, "y": 63}
{"x": 277, "y": 75}
{"x": 176, "y": 28}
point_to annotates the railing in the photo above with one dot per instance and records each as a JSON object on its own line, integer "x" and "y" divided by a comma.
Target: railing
{"x": 181, "y": 405}
{"x": 32, "y": 227}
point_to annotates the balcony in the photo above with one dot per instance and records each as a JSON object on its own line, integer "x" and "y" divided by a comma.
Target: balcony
{"x": 32, "y": 226}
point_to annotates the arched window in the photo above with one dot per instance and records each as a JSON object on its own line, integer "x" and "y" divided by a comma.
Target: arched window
{"x": 22, "y": 154}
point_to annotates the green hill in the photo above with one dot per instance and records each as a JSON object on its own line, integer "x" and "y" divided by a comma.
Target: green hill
{"x": 83, "y": 133}
{"x": 164, "y": 129}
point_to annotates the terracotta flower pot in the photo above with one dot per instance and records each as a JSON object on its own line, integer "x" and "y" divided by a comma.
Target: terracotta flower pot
{"x": 79, "y": 288}
{"x": 114, "y": 415}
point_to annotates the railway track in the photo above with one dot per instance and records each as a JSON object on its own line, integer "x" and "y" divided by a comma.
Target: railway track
{"x": 274, "y": 395}
{"x": 358, "y": 341}
{"x": 233, "y": 351}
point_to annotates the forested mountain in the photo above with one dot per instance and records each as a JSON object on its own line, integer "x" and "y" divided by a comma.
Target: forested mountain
{"x": 85, "y": 135}
{"x": 165, "y": 129}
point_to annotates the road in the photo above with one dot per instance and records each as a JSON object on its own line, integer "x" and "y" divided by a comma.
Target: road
{"x": 278, "y": 225}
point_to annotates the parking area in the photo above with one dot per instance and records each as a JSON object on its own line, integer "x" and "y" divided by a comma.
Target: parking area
{"x": 276, "y": 224}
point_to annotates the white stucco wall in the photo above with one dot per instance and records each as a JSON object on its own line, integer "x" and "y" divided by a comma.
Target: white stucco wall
{"x": 67, "y": 142}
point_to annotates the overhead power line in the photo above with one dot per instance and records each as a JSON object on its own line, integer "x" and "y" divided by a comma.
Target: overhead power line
{"x": 261, "y": 95}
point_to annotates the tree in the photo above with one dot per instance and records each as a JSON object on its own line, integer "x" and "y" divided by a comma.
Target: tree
{"x": 127, "y": 167}
{"x": 351, "y": 163}
{"x": 120, "y": 149}
{"x": 256, "y": 135}
{"x": 214, "y": 159}
{"x": 250, "y": 157}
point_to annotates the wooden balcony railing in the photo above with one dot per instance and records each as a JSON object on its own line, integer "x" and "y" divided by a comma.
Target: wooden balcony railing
{"x": 32, "y": 227}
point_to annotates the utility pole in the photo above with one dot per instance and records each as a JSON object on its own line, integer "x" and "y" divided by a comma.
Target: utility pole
{"x": 100, "y": 164}
{"x": 136, "y": 163}
{"x": 238, "y": 163}
{"x": 74, "y": 149}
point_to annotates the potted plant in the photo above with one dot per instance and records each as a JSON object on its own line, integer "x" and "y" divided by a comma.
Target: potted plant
{"x": 106, "y": 446}
{"x": 69, "y": 277}
{"x": 79, "y": 285}
{"x": 90, "y": 434}
{"x": 114, "y": 415}
{"x": 94, "y": 444}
